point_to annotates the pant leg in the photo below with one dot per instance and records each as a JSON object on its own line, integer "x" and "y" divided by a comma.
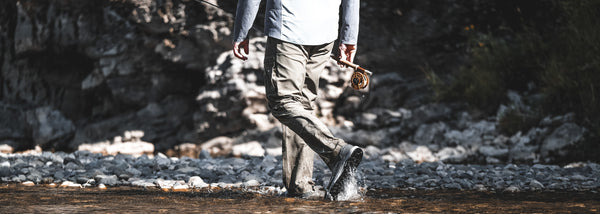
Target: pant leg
{"x": 290, "y": 95}
{"x": 297, "y": 163}
{"x": 298, "y": 158}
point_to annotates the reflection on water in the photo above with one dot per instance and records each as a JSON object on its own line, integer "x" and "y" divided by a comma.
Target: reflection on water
{"x": 19, "y": 199}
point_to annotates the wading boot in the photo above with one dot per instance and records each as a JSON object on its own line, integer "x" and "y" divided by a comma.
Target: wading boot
{"x": 349, "y": 158}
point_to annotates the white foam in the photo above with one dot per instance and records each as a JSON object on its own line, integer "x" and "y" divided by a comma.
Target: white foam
{"x": 350, "y": 191}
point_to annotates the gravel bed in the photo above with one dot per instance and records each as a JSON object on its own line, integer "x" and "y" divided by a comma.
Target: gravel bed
{"x": 88, "y": 170}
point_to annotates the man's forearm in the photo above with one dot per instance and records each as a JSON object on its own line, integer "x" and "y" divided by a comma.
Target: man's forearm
{"x": 244, "y": 18}
{"x": 350, "y": 21}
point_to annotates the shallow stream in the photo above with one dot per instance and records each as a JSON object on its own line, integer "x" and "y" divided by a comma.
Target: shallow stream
{"x": 40, "y": 199}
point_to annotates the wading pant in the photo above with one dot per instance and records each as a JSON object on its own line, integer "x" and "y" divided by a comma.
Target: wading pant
{"x": 291, "y": 81}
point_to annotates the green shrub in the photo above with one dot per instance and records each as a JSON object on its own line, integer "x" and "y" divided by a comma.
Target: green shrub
{"x": 562, "y": 61}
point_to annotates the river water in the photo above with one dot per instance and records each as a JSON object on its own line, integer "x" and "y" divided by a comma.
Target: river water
{"x": 40, "y": 199}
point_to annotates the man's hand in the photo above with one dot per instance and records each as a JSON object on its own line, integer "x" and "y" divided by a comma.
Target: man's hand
{"x": 347, "y": 52}
{"x": 237, "y": 46}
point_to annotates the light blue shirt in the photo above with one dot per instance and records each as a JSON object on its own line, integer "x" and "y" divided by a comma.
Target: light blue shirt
{"x": 303, "y": 22}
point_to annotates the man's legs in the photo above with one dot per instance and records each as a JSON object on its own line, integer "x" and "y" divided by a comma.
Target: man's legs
{"x": 297, "y": 163}
{"x": 291, "y": 82}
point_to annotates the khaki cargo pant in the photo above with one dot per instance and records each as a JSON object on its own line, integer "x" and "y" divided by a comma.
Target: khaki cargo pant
{"x": 291, "y": 81}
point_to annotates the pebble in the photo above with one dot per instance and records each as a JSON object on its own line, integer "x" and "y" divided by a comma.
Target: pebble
{"x": 70, "y": 184}
{"x": 28, "y": 183}
{"x": 179, "y": 187}
{"x": 184, "y": 174}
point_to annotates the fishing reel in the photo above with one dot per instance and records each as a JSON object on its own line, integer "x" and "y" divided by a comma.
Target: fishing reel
{"x": 360, "y": 77}
{"x": 359, "y": 80}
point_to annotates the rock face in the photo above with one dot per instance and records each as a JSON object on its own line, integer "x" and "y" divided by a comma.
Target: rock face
{"x": 87, "y": 72}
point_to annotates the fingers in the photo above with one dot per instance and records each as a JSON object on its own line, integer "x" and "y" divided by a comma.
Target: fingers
{"x": 350, "y": 52}
{"x": 237, "y": 49}
{"x": 347, "y": 52}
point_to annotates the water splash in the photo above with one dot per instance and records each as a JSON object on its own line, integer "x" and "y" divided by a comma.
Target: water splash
{"x": 351, "y": 189}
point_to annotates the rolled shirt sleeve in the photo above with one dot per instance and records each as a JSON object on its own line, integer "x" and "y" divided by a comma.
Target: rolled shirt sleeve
{"x": 350, "y": 21}
{"x": 244, "y": 18}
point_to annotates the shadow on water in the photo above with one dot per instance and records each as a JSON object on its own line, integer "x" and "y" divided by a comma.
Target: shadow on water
{"x": 19, "y": 199}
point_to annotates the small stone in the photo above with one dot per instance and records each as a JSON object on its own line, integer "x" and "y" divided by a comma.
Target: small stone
{"x": 28, "y": 183}
{"x": 110, "y": 180}
{"x": 5, "y": 164}
{"x": 512, "y": 189}
{"x": 178, "y": 187}
{"x": 101, "y": 186}
{"x": 197, "y": 182}
{"x": 5, "y": 171}
{"x": 165, "y": 185}
{"x": 59, "y": 175}
{"x": 187, "y": 170}
{"x": 480, "y": 187}
{"x": 71, "y": 160}
{"x": 143, "y": 183}
{"x": 578, "y": 177}
{"x": 251, "y": 183}
{"x": 536, "y": 185}
{"x": 204, "y": 154}
{"x": 70, "y": 184}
